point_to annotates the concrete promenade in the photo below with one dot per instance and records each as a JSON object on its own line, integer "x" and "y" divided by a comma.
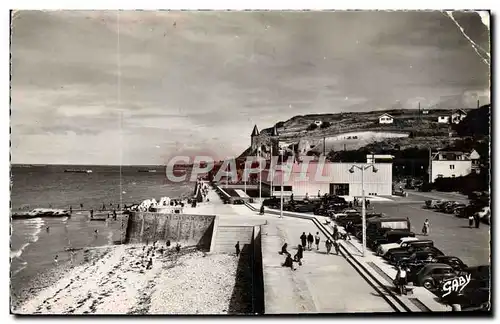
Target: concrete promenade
{"x": 323, "y": 284}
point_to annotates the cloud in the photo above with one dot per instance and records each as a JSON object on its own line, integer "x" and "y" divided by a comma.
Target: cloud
{"x": 215, "y": 74}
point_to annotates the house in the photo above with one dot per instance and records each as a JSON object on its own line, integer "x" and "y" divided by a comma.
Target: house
{"x": 458, "y": 116}
{"x": 318, "y": 123}
{"x": 474, "y": 157}
{"x": 450, "y": 164}
{"x": 385, "y": 119}
{"x": 425, "y": 112}
{"x": 444, "y": 119}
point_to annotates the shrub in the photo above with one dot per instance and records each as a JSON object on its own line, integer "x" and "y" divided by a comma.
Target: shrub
{"x": 280, "y": 124}
{"x": 312, "y": 127}
{"x": 325, "y": 124}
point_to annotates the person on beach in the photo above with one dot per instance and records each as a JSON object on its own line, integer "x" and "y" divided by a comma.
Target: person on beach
{"x": 237, "y": 247}
{"x": 178, "y": 248}
{"x": 47, "y": 229}
{"x": 150, "y": 264}
{"x": 91, "y": 213}
{"x": 56, "y": 259}
{"x": 96, "y": 233}
{"x": 328, "y": 245}
{"x": 316, "y": 240}
{"x": 303, "y": 239}
{"x": 288, "y": 262}
{"x": 70, "y": 209}
{"x": 114, "y": 214}
{"x": 81, "y": 206}
{"x": 299, "y": 255}
{"x": 426, "y": 227}
{"x": 471, "y": 220}
{"x": 310, "y": 241}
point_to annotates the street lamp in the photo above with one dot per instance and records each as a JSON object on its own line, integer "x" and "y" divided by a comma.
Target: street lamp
{"x": 363, "y": 208}
{"x": 282, "y": 179}
{"x": 260, "y": 176}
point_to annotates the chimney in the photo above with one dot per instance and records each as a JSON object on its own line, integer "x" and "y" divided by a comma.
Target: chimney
{"x": 477, "y": 103}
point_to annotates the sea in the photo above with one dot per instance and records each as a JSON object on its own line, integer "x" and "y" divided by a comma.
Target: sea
{"x": 35, "y": 243}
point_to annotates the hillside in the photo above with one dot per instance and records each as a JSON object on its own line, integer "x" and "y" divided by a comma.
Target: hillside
{"x": 355, "y": 130}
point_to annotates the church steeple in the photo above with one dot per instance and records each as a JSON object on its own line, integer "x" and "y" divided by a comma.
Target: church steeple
{"x": 255, "y": 131}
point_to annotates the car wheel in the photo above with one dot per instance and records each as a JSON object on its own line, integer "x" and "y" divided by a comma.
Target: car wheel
{"x": 428, "y": 284}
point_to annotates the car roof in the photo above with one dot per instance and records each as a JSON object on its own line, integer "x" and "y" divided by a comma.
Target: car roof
{"x": 435, "y": 266}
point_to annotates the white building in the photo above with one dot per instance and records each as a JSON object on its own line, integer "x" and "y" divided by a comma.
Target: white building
{"x": 332, "y": 178}
{"x": 449, "y": 164}
{"x": 444, "y": 119}
{"x": 385, "y": 119}
{"x": 474, "y": 157}
{"x": 318, "y": 123}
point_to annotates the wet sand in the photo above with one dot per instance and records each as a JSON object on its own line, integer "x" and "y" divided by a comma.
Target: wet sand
{"x": 115, "y": 281}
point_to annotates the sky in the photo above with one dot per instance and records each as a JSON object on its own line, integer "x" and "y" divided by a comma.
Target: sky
{"x": 139, "y": 87}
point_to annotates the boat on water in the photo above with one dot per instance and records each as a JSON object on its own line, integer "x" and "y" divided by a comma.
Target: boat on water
{"x": 148, "y": 171}
{"x": 42, "y": 212}
{"x": 78, "y": 171}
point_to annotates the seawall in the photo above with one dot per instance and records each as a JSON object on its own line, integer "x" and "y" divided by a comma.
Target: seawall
{"x": 190, "y": 230}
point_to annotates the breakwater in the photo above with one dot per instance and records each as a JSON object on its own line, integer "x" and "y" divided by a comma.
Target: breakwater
{"x": 190, "y": 230}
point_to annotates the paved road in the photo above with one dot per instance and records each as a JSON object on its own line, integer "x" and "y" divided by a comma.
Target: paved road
{"x": 326, "y": 283}
{"x": 449, "y": 233}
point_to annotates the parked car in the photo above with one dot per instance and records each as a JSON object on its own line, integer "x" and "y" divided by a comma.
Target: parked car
{"x": 272, "y": 202}
{"x": 444, "y": 206}
{"x": 432, "y": 203}
{"x": 485, "y": 215}
{"x": 404, "y": 247}
{"x": 389, "y": 237}
{"x": 450, "y": 208}
{"x": 452, "y": 261}
{"x": 383, "y": 248}
{"x": 482, "y": 272}
{"x": 432, "y": 274}
{"x": 418, "y": 255}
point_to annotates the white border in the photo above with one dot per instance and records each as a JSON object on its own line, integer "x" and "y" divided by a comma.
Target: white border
{"x": 186, "y": 4}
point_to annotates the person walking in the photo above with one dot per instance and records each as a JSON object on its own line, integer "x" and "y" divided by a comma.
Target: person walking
{"x": 310, "y": 241}
{"x": 367, "y": 203}
{"x": 316, "y": 240}
{"x": 237, "y": 247}
{"x": 477, "y": 219}
{"x": 350, "y": 204}
{"x": 307, "y": 196}
{"x": 303, "y": 239}
{"x": 471, "y": 220}
{"x": 336, "y": 246}
{"x": 426, "y": 227}
{"x": 328, "y": 245}
{"x": 71, "y": 209}
{"x": 349, "y": 228}
{"x": 299, "y": 255}
{"x": 261, "y": 209}
{"x": 335, "y": 232}
{"x": 319, "y": 193}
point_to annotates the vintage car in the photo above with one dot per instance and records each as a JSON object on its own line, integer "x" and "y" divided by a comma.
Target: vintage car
{"x": 431, "y": 275}
{"x": 418, "y": 256}
{"x": 406, "y": 246}
{"x": 433, "y": 203}
{"x": 383, "y": 248}
{"x": 452, "y": 261}
{"x": 450, "y": 208}
{"x": 388, "y": 237}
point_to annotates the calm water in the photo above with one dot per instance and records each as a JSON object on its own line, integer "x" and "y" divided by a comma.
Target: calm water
{"x": 36, "y": 242}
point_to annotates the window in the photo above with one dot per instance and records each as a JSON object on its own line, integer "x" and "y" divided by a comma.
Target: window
{"x": 452, "y": 167}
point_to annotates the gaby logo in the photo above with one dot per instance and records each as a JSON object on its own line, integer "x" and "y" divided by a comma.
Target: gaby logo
{"x": 456, "y": 284}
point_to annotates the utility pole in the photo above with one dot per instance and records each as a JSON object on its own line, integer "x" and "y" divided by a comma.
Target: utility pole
{"x": 282, "y": 179}
{"x": 324, "y": 146}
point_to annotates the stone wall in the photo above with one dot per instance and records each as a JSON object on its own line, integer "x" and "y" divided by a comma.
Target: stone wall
{"x": 188, "y": 230}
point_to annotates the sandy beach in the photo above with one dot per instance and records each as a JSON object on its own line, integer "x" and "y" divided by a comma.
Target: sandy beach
{"x": 116, "y": 281}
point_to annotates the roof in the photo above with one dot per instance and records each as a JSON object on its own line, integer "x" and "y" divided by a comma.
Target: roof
{"x": 385, "y": 114}
{"x": 255, "y": 131}
{"x": 461, "y": 111}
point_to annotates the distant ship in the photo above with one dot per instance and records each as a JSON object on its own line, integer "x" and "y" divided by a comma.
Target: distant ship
{"x": 150, "y": 171}
{"x": 42, "y": 212}
{"x": 77, "y": 171}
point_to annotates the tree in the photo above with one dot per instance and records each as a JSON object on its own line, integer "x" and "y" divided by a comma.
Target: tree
{"x": 325, "y": 124}
{"x": 312, "y": 127}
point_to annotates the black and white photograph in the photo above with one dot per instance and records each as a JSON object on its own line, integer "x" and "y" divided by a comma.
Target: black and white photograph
{"x": 250, "y": 162}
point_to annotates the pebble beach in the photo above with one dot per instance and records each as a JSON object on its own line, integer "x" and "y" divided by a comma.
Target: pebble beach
{"x": 116, "y": 280}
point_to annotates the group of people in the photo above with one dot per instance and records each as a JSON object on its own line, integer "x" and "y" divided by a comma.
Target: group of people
{"x": 474, "y": 220}
{"x": 308, "y": 242}
{"x": 149, "y": 252}
{"x": 358, "y": 202}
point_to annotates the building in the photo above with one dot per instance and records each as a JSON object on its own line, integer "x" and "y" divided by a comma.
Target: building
{"x": 332, "y": 178}
{"x": 254, "y": 137}
{"x": 458, "y": 116}
{"x": 318, "y": 123}
{"x": 474, "y": 157}
{"x": 449, "y": 164}
{"x": 379, "y": 158}
{"x": 444, "y": 119}
{"x": 425, "y": 112}
{"x": 385, "y": 119}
